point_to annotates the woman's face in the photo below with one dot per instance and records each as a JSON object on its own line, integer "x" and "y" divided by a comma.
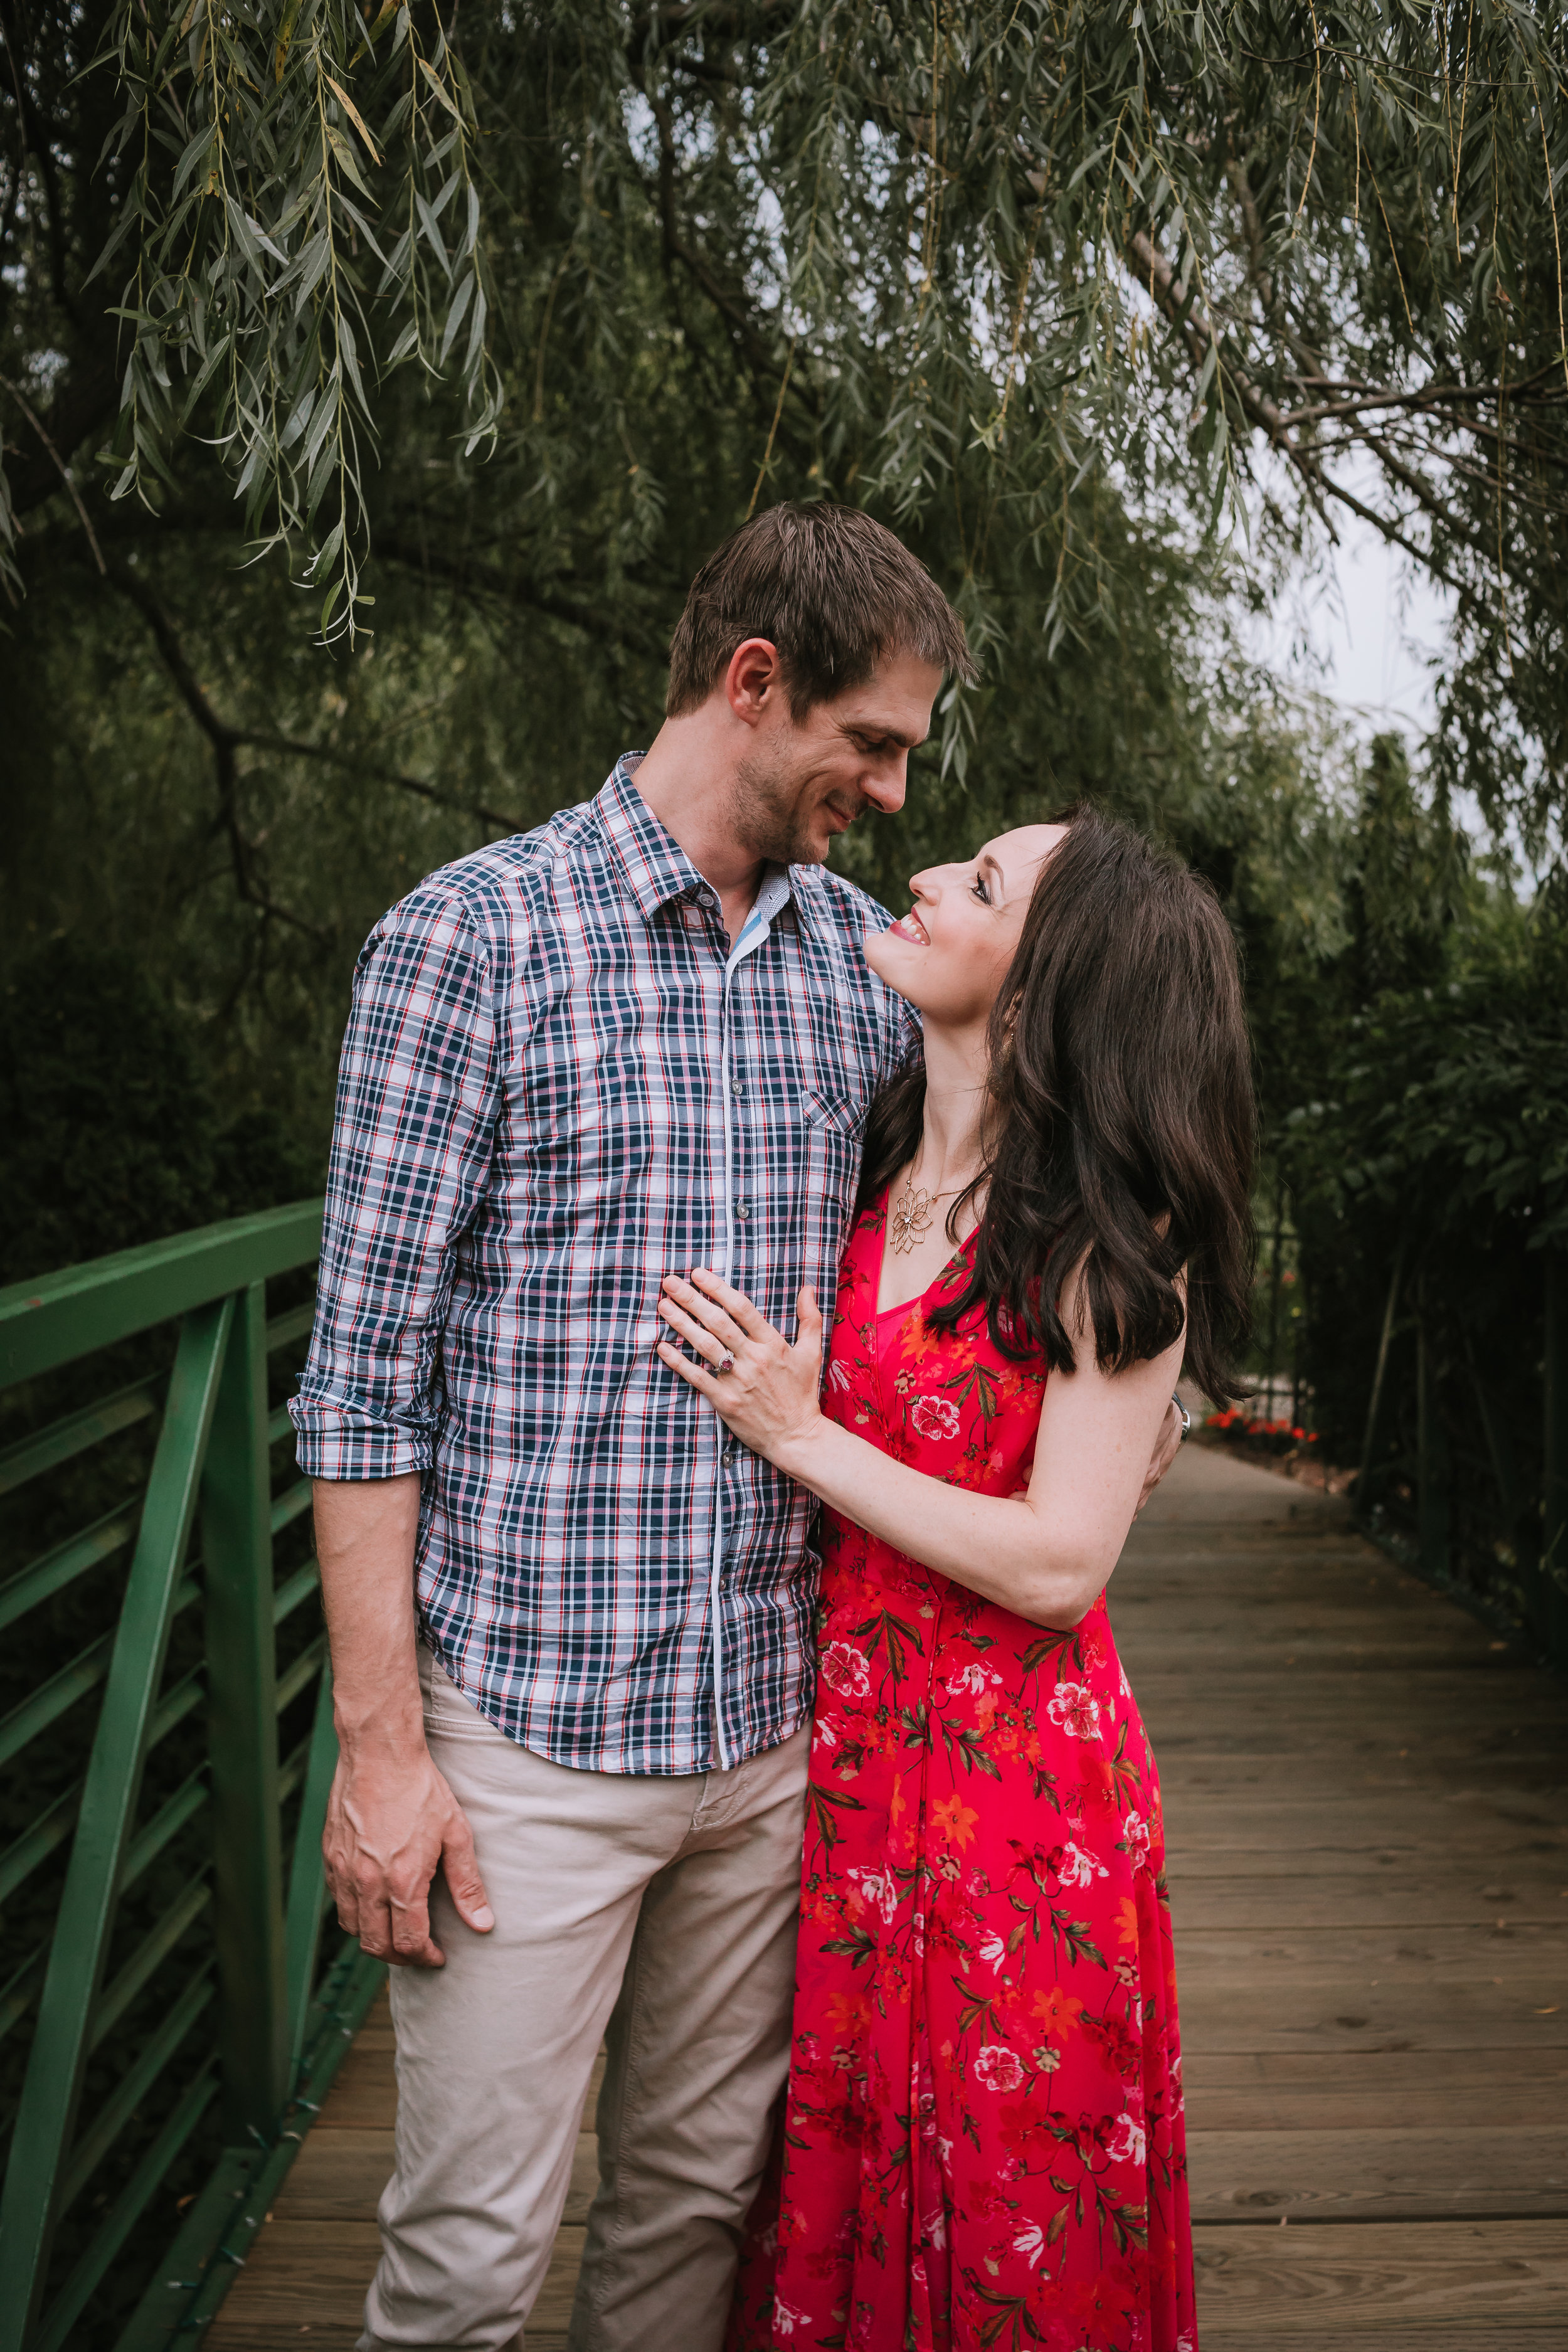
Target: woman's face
{"x": 950, "y": 953}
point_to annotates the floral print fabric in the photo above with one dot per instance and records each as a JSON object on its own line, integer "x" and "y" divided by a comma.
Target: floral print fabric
{"x": 981, "y": 2139}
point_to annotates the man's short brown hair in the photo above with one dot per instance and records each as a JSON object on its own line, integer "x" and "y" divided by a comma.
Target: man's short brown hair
{"x": 833, "y": 591}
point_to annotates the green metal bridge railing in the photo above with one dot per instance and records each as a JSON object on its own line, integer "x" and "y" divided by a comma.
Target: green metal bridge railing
{"x": 221, "y": 2015}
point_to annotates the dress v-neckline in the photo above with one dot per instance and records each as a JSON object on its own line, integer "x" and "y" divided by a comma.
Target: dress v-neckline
{"x": 902, "y": 1306}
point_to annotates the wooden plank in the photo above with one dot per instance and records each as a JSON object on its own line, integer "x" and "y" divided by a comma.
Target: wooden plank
{"x": 1446, "y": 1732}
{"x": 1205, "y": 1818}
{"x": 1253, "y": 1626}
{"x": 1379, "y": 2174}
{"x": 1365, "y": 2279}
{"x": 312, "y": 2276}
{"x": 1238, "y": 1708}
{"x": 311, "y": 2272}
{"x": 1255, "y": 1621}
{"x": 364, "y": 2095}
{"x": 271, "y": 2335}
{"x": 1492, "y": 1680}
{"x": 1383, "y": 1737}
{"x": 1467, "y": 1814}
{"x": 1522, "y": 1953}
{"x": 1247, "y": 1607}
{"x": 1373, "y": 1897}
{"x": 1470, "y": 2335}
{"x": 1502, "y": 1862}
{"x": 1310, "y": 1655}
{"x": 337, "y": 2176}
{"x": 1239, "y": 2017}
{"x": 1197, "y": 1767}
{"x": 1356, "y": 2089}
{"x": 1393, "y": 1772}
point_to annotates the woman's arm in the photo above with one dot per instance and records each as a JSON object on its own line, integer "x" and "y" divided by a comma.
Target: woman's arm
{"x": 1045, "y": 1554}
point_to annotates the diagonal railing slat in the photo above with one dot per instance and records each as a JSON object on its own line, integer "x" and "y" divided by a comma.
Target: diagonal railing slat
{"x": 52, "y": 2091}
{"x": 31, "y": 1456}
{"x": 133, "y": 2087}
{"x": 127, "y": 2209}
{"x": 116, "y": 1998}
{"x": 83, "y": 1674}
{"x": 39, "y": 1840}
{"x": 64, "y": 1562}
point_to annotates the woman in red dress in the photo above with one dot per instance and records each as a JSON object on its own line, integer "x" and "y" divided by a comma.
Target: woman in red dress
{"x": 982, "y": 2138}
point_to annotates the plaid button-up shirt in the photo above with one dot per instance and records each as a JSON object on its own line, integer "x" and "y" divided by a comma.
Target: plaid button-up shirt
{"x": 559, "y": 1084}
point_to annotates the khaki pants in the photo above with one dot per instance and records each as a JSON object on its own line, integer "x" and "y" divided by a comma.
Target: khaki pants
{"x": 659, "y": 1910}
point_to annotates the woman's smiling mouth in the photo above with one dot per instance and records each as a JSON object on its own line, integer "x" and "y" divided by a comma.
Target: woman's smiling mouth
{"x": 910, "y": 926}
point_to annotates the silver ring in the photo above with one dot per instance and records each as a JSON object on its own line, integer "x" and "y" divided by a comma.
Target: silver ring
{"x": 726, "y": 1363}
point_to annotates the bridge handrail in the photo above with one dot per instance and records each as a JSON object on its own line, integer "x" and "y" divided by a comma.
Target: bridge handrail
{"x": 280, "y": 2021}
{"x": 59, "y": 1317}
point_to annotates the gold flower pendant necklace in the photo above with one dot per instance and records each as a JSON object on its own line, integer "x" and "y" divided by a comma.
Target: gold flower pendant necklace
{"x": 910, "y": 1222}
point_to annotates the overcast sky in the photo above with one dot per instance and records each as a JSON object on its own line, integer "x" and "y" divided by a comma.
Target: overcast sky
{"x": 1373, "y": 622}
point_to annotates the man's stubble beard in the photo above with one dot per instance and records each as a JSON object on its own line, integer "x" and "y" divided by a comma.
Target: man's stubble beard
{"x": 766, "y": 812}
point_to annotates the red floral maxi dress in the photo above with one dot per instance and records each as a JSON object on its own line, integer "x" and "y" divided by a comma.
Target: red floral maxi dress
{"x": 981, "y": 2140}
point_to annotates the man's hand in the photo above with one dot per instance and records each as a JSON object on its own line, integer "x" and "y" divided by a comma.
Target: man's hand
{"x": 1167, "y": 1445}
{"x": 392, "y": 1822}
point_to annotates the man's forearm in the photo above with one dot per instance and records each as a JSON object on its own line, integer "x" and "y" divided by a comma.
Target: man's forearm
{"x": 366, "y": 1535}
{"x": 392, "y": 1821}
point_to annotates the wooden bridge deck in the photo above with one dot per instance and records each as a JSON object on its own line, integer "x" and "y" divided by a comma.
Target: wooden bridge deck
{"x": 1369, "y": 1865}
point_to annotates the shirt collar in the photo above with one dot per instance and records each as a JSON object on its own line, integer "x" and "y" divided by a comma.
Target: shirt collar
{"x": 655, "y": 866}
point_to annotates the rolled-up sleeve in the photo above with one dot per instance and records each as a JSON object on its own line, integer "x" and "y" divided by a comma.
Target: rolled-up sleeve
{"x": 412, "y": 1149}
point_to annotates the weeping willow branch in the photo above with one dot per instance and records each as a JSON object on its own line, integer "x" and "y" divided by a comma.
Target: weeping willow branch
{"x": 302, "y": 215}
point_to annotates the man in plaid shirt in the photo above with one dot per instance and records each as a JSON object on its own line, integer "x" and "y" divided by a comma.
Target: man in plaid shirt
{"x": 569, "y": 1614}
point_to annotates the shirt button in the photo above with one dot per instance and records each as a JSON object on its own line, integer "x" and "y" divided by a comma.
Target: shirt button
{"x": 737, "y": 1089}
{"x": 742, "y": 1209}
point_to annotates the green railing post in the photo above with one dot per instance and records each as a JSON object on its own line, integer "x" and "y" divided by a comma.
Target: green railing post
{"x": 1555, "y": 1478}
{"x": 1432, "y": 1474}
{"x": 56, "y": 2063}
{"x": 248, "y": 1864}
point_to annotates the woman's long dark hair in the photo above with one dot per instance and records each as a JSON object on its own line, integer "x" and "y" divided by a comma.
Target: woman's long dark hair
{"x": 1120, "y": 1097}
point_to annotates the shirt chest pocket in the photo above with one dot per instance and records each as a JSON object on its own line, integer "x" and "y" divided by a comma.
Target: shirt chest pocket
{"x": 834, "y": 1128}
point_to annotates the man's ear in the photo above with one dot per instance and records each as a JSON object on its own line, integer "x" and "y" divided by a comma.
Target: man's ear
{"x": 754, "y": 682}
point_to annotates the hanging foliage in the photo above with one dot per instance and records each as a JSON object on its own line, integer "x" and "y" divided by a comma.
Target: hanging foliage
{"x": 301, "y": 213}
{"x": 1256, "y": 270}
